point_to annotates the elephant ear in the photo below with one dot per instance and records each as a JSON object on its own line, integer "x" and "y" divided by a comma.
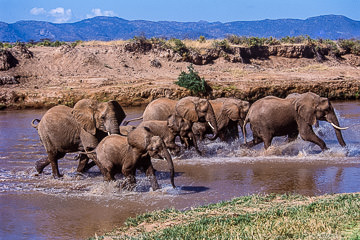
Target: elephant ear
{"x": 119, "y": 111}
{"x": 83, "y": 113}
{"x": 186, "y": 109}
{"x": 305, "y": 105}
{"x": 139, "y": 138}
{"x": 232, "y": 111}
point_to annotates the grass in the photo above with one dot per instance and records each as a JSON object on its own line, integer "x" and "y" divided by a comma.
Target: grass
{"x": 252, "y": 217}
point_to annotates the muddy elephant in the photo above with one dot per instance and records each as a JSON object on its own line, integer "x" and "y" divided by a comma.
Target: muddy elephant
{"x": 64, "y": 130}
{"x": 272, "y": 116}
{"x": 193, "y": 109}
{"x": 119, "y": 154}
{"x": 229, "y": 112}
{"x": 125, "y": 130}
{"x": 159, "y": 109}
{"x": 169, "y": 130}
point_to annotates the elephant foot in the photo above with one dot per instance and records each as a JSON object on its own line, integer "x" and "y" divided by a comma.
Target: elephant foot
{"x": 129, "y": 184}
{"x": 154, "y": 184}
{"x": 41, "y": 164}
{"x": 58, "y": 176}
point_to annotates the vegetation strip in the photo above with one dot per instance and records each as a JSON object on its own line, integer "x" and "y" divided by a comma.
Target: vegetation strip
{"x": 252, "y": 217}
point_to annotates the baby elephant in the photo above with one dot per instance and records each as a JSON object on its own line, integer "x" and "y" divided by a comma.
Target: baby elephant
{"x": 116, "y": 155}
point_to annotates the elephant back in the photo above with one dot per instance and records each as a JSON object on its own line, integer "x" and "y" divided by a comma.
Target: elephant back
{"x": 58, "y": 129}
{"x": 159, "y": 109}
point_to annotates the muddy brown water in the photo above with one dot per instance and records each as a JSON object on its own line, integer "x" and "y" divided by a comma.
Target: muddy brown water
{"x": 80, "y": 205}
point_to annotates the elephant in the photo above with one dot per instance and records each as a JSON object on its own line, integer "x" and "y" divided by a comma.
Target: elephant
{"x": 229, "y": 112}
{"x": 196, "y": 109}
{"x": 125, "y": 130}
{"x": 192, "y": 109}
{"x": 159, "y": 109}
{"x": 272, "y": 116}
{"x": 119, "y": 154}
{"x": 168, "y": 130}
{"x": 64, "y": 130}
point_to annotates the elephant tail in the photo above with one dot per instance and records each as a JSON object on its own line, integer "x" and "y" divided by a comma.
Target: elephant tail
{"x": 244, "y": 128}
{"x": 34, "y": 121}
{"x": 126, "y": 122}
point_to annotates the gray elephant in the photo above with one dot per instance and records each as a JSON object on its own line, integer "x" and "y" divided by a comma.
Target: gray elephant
{"x": 159, "y": 109}
{"x": 64, "y": 130}
{"x": 125, "y": 130}
{"x": 229, "y": 112}
{"x": 192, "y": 109}
{"x": 196, "y": 109}
{"x": 119, "y": 154}
{"x": 168, "y": 130}
{"x": 272, "y": 116}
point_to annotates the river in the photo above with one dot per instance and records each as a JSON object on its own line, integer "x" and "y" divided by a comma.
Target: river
{"x": 79, "y": 205}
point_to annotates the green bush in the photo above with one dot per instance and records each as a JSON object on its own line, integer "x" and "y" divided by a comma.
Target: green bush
{"x": 202, "y": 39}
{"x": 350, "y": 46}
{"x": 192, "y": 81}
{"x": 178, "y": 46}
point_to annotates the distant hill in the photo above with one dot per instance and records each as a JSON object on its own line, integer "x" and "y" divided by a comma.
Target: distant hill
{"x": 114, "y": 28}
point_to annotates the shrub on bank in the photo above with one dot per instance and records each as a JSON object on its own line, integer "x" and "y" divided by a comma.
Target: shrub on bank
{"x": 192, "y": 81}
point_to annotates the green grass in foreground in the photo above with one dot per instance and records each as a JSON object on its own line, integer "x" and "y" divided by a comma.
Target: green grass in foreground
{"x": 252, "y": 217}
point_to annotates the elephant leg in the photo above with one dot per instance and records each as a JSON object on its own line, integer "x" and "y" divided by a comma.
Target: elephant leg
{"x": 293, "y": 136}
{"x": 53, "y": 158}
{"x": 129, "y": 170}
{"x": 84, "y": 164}
{"x": 195, "y": 142}
{"x": 41, "y": 164}
{"x": 83, "y": 160}
{"x": 307, "y": 134}
{"x": 256, "y": 140}
{"x": 267, "y": 141}
{"x": 148, "y": 169}
{"x": 89, "y": 165}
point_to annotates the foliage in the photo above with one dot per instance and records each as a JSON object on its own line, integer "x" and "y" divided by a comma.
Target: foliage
{"x": 350, "y": 46}
{"x": 178, "y": 46}
{"x": 253, "y": 217}
{"x": 192, "y": 81}
{"x": 202, "y": 39}
{"x": 223, "y": 44}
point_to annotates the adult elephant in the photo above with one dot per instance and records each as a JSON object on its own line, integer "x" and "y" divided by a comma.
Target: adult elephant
{"x": 118, "y": 154}
{"x": 159, "y": 109}
{"x": 193, "y": 109}
{"x": 272, "y": 116}
{"x": 64, "y": 130}
{"x": 229, "y": 112}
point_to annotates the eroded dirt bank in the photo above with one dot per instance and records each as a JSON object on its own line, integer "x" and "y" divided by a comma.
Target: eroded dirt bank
{"x": 136, "y": 74}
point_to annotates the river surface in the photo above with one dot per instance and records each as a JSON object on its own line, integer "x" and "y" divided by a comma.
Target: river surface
{"x": 79, "y": 205}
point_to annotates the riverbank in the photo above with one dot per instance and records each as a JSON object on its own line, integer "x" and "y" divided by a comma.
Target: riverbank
{"x": 252, "y": 217}
{"x": 136, "y": 72}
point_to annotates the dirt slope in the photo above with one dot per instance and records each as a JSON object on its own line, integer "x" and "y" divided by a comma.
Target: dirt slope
{"x": 46, "y": 76}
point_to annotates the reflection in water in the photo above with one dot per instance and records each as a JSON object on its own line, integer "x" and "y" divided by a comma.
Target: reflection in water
{"x": 39, "y": 207}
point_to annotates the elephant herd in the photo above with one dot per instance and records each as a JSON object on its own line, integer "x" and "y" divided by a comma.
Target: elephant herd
{"x": 93, "y": 130}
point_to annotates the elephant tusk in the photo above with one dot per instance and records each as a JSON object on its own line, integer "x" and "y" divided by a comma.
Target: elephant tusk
{"x": 109, "y": 133}
{"x": 337, "y": 127}
{"x": 211, "y": 126}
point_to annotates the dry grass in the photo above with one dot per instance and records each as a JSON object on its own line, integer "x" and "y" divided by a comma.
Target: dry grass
{"x": 104, "y": 43}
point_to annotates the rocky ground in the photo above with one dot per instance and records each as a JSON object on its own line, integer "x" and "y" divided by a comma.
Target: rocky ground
{"x": 134, "y": 73}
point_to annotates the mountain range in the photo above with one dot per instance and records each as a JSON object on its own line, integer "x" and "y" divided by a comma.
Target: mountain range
{"x": 115, "y": 28}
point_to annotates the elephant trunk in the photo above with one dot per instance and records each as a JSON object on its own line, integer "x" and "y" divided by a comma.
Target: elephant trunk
{"x": 114, "y": 127}
{"x": 168, "y": 158}
{"x": 331, "y": 118}
{"x": 211, "y": 120}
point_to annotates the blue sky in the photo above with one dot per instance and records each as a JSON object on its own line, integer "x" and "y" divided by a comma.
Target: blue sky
{"x": 61, "y": 11}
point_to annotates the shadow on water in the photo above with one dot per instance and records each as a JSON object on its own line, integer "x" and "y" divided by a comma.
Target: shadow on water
{"x": 194, "y": 189}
